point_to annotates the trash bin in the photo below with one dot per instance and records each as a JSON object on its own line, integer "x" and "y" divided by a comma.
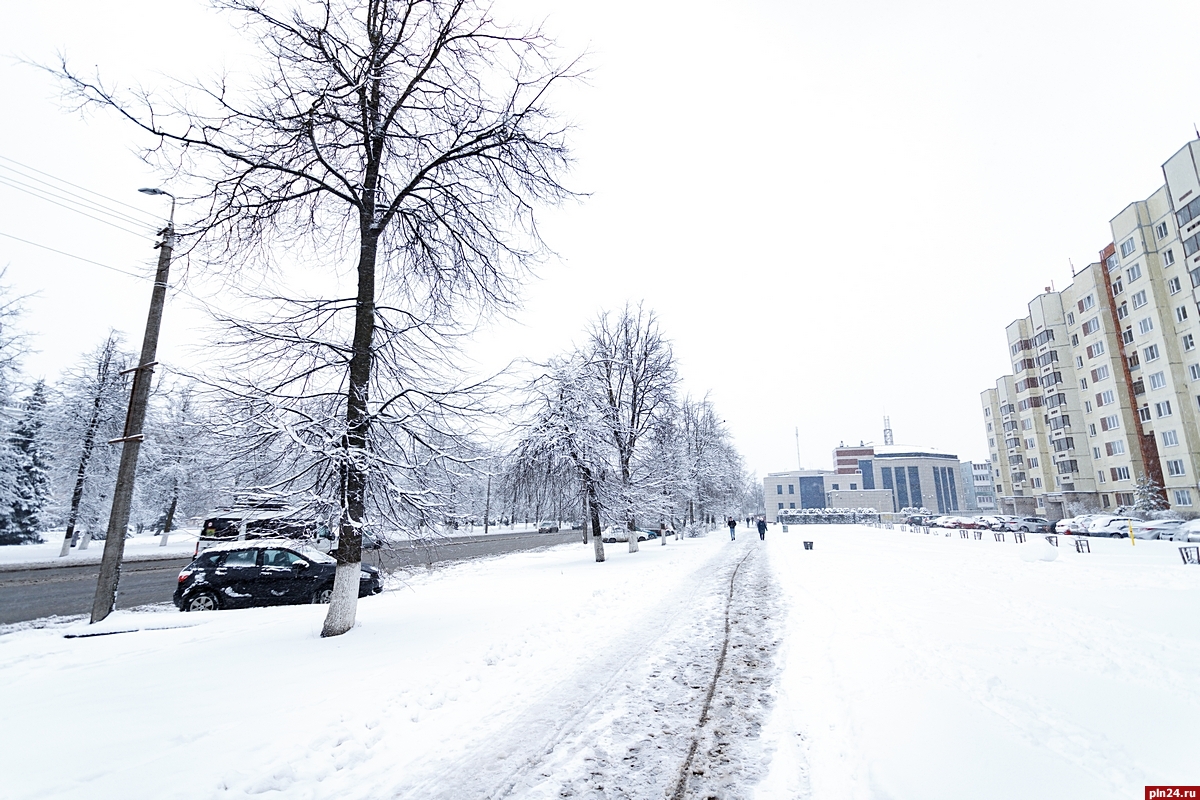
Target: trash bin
{"x": 808, "y": 545}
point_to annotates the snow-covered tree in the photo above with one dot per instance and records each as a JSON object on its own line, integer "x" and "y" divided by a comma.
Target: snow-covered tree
{"x": 20, "y": 521}
{"x": 401, "y": 147}
{"x": 1149, "y": 496}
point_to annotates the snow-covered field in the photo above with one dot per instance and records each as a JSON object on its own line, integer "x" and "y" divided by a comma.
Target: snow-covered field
{"x": 147, "y": 545}
{"x": 881, "y": 664}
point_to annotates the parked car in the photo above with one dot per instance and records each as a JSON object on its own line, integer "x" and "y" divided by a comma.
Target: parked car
{"x": 1187, "y": 532}
{"x": 547, "y": 527}
{"x": 619, "y": 533}
{"x": 1156, "y": 528}
{"x": 940, "y": 522}
{"x": 918, "y": 519}
{"x": 263, "y": 572}
{"x": 1115, "y": 527}
{"x": 1030, "y": 525}
{"x": 1073, "y": 525}
{"x": 999, "y": 522}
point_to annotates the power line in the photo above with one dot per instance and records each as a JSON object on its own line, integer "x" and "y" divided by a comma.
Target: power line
{"x": 78, "y": 258}
{"x": 76, "y": 186}
{"x": 35, "y": 193}
{"x": 72, "y": 197}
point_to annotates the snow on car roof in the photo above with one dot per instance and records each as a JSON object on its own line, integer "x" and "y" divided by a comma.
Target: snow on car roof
{"x": 288, "y": 544}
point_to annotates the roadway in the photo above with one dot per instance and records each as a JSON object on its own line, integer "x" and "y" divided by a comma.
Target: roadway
{"x": 28, "y": 593}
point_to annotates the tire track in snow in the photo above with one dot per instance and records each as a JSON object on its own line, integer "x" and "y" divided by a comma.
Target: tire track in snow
{"x": 625, "y": 735}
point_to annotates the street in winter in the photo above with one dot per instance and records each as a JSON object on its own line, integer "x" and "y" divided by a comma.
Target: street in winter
{"x": 481, "y": 399}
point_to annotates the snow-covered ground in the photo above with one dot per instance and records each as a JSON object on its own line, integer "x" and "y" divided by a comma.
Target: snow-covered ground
{"x": 147, "y": 545}
{"x": 881, "y": 664}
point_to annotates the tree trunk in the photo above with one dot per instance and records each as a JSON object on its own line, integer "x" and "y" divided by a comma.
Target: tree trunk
{"x": 343, "y": 605}
{"x": 487, "y": 505}
{"x": 594, "y": 521}
{"x": 169, "y": 522}
{"x": 89, "y": 441}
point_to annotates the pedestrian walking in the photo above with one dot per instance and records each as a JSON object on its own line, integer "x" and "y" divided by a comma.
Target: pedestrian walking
{"x": 762, "y": 529}
{"x": 732, "y": 528}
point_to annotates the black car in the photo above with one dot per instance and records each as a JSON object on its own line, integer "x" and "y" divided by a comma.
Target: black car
{"x": 262, "y": 573}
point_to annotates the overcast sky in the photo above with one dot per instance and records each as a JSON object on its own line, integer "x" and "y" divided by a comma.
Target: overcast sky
{"x": 835, "y": 208}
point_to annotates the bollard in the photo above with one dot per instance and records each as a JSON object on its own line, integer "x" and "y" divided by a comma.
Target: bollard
{"x": 965, "y": 534}
{"x": 1019, "y": 537}
{"x": 1190, "y": 555}
{"x": 978, "y": 535}
{"x": 999, "y": 537}
{"x": 785, "y": 528}
{"x": 1082, "y": 546}
{"x": 947, "y": 534}
{"x": 808, "y": 545}
{"x": 1052, "y": 539}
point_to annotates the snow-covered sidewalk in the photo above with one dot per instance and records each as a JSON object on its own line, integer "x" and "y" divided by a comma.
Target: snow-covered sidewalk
{"x": 145, "y": 546}
{"x": 925, "y": 667}
{"x": 528, "y": 675}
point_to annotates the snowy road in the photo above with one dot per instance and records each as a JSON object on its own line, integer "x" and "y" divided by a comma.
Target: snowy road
{"x": 881, "y": 664}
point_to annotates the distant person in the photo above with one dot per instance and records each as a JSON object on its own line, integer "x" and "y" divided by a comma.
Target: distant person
{"x": 732, "y": 529}
{"x": 762, "y": 529}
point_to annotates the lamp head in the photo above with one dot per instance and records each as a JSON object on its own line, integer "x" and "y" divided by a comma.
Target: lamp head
{"x": 152, "y": 191}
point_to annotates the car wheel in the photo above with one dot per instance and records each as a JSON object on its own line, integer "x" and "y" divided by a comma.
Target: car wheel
{"x": 321, "y": 596}
{"x": 1025, "y": 529}
{"x": 202, "y": 601}
{"x": 1114, "y": 536}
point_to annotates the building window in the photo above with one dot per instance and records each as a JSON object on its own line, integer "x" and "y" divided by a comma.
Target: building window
{"x": 1127, "y": 247}
{"x": 1145, "y": 326}
{"x": 1127, "y": 336}
{"x": 1110, "y": 423}
{"x": 1139, "y": 299}
{"x": 1194, "y": 371}
{"x": 1037, "y": 484}
{"x": 1086, "y": 303}
{"x": 791, "y": 505}
{"x": 1158, "y": 380}
{"x": 1183, "y": 497}
{"x": 1087, "y": 406}
{"x": 1123, "y": 311}
{"x": 1091, "y": 326}
{"x": 853, "y": 486}
{"x": 1105, "y": 398}
{"x": 1070, "y": 318}
{"x": 779, "y": 490}
{"x": 1100, "y": 373}
{"x": 1170, "y": 438}
{"x": 1120, "y": 473}
{"x": 1168, "y": 257}
{"x": 1173, "y": 285}
{"x": 1100, "y": 476}
{"x": 1133, "y": 273}
{"x": 1114, "y": 448}
{"x": 836, "y": 487}
{"x": 1026, "y": 424}
{"x": 1124, "y": 498}
{"x": 1083, "y": 384}
{"x": 1181, "y": 314}
{"x": 1150, "y": 353}
{"x": 1144, "y": 413}
{"x": 1094, "y": 349}
{"x": 781, "y": 506}
{"x": 1030, "y": 444}
{"x": 1096, "y": 453}
{"x": 1033, "y": 462}
{"x": 1091, "y": 430}
{"x": 1163, "y": 409}
{"x": 1117, "y": 287}
{"x": 1189, "y": 342}
{"x": 1175, "y": 468}
{"x": 1079, "y": 361}
{"x": 1160, "y": 230}
{"x": 791, "y": 488}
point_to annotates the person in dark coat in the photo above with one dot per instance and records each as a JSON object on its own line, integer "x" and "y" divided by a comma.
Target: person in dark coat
{"x": 732, "y": 528}
{"x": 762, "y": 529}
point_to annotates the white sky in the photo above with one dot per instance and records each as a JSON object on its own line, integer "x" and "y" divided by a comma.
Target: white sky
{"x": 845, "y": 201}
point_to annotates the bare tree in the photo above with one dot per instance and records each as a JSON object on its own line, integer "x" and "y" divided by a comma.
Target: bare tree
{"x": 411, "y": 136}
{"x": 632, "y": 368}
{"x": 96, "y": 398}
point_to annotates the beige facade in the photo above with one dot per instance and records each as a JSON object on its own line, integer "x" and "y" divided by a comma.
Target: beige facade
{"x": 1105, "y": 390}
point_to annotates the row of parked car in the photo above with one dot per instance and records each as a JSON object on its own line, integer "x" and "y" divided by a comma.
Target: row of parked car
{"x": 1111, "y": 525}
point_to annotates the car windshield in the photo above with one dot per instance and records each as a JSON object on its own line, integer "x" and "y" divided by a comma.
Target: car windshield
{"x": 315, "y": 555}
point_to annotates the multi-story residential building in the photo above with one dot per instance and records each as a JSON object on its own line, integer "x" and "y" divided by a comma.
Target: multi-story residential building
{"x": 981, "y": 478}
{"x": 1115, "y": 357}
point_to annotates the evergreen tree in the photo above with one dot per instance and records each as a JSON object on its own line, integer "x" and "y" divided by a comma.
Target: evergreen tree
{"x": 1149, "y": 496}
{"x": 31, "y": 489}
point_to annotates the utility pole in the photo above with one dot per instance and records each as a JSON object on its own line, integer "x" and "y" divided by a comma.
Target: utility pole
{"x": 131, "y": 439}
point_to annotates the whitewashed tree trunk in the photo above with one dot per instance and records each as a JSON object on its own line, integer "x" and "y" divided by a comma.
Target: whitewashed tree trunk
{"x": 85, "y": 540}
{"x": 633, "y": 542}
{"x": 343, "y": 605}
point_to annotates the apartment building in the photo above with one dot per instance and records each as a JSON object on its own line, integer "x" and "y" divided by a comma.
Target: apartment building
{"x": 1105, "y": 390}
{"x": 984, "y": 488}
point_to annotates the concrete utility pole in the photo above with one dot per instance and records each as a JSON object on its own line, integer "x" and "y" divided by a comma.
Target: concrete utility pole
{"x": 131, "y": 439}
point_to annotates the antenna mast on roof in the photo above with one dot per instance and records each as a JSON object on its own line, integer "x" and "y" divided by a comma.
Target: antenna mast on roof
{"x": 798, "y": 464}
{"x": 887, "y": 431}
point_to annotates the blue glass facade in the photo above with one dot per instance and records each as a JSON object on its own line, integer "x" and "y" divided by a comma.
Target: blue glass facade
{"x": 867, "y": 467}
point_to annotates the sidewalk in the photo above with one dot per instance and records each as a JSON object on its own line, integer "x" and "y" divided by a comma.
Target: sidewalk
{"x": 138, "y": 548}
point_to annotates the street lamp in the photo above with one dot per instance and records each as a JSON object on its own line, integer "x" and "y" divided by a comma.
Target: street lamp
{"x": 131, "y": 438}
